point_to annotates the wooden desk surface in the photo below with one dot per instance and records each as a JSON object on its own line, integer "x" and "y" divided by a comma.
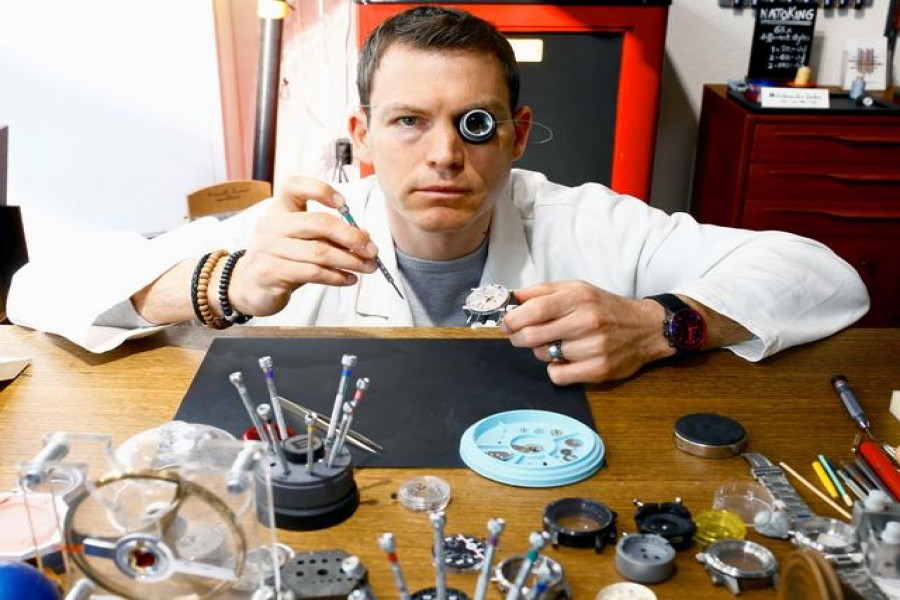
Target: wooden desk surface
{"x": 786, "y": 404}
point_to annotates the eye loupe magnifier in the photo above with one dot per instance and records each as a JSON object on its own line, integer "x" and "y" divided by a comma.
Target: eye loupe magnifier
{"x": 477, "y": 126}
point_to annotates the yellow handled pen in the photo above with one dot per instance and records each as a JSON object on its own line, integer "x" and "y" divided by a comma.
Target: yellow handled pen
{"x": 826, "y": 481}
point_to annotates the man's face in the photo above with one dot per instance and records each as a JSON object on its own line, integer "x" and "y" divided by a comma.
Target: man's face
{"x": 434, "y": 181}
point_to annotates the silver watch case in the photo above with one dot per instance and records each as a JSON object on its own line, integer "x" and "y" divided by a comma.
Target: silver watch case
{"x": 834, "y": 539}
{"x": 506, "y": 571}
{"x": 839, "y": 543}
{"x": 739, "y": 565}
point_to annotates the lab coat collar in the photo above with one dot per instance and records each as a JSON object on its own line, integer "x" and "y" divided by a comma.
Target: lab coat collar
{"x": 376, "y": 298}
{"x": 508, "y": 262}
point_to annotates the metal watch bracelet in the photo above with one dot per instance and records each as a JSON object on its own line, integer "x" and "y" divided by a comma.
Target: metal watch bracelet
{"x": 772, "y": 477}
{"x": 856, "y": 576}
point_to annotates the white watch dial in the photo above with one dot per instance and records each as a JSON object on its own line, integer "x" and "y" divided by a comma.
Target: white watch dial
{"x": 487, "y": 299}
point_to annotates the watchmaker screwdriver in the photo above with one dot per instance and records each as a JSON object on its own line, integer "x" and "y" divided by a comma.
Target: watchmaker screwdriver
{"x": 845, "y": 393}
{"x": 345, "y": 212}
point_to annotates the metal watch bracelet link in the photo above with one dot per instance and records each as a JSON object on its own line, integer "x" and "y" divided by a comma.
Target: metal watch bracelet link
{"x": 857, "y": 578}
{"x": 772, "y": 477}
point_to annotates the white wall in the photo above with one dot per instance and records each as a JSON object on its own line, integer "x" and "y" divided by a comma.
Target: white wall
{"x": 113, "y": 108}
{"x": 708, "y": 44}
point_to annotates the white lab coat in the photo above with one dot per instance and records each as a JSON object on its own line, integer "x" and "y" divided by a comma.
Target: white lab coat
{"x": 785, "y": 289}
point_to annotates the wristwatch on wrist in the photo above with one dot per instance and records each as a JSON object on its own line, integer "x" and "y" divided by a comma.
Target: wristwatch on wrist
{"x": 683, "y": 327}
{"x": 838, "y": 543}
{"x": 487, "y": 304}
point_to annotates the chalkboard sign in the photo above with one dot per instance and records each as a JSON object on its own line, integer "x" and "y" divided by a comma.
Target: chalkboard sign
{"x": 782, "y": 39}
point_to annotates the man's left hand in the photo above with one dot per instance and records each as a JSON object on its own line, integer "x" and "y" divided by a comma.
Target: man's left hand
{"x": 603, "y": 336}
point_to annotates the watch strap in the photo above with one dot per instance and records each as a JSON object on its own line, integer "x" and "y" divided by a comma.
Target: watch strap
{"x": 855, "y": 576}
{"x": 671, "y": 302}
{"x": 772, "y": 477}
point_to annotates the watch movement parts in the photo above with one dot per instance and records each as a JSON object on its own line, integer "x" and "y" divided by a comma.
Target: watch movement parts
{"x": 645, "y": 558}
{"x": 424, "y": 493}
{"x": 772, "y": 477}
{"x": 486, "y": 305}
{"x": 463, "y": 553}
{"x": 739, "y": 565}
{"x": 580, "y": 522}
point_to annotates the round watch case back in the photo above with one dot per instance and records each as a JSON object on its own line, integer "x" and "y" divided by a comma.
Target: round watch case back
{"x": 709, "y": 435}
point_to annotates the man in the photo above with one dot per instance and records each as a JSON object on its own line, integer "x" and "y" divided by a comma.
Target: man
{"x": 446, "y": 212}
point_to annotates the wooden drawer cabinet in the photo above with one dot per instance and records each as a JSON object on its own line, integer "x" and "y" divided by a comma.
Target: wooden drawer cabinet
{"x": 831, "y": 177}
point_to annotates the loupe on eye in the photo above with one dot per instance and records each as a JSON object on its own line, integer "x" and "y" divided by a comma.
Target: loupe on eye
{"x": 477, "y": 126}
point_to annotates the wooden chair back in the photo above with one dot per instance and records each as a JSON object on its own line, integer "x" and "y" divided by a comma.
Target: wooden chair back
{"x": 224, "y": 199}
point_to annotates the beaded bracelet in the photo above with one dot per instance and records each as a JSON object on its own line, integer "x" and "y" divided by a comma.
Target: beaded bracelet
{"x": 228, "y": 313}
{"x": 206, "y": 270}
{"x": 195, "y": 280}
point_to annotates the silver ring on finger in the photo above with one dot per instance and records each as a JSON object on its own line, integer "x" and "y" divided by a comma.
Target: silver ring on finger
{"x": 556, "y": 353}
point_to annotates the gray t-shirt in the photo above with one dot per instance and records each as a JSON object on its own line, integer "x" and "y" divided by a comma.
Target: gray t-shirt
{"x": 437, "y": 290}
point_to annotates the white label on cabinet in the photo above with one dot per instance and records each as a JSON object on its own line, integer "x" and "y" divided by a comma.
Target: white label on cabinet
{"x": 776, "y": 97}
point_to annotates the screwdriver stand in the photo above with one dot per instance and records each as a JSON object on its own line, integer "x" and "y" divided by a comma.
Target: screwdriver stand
{"x": 307, "y": 501}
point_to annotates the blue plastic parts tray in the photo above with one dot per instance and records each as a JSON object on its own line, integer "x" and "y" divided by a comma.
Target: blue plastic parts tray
{"x": 532, "y": 448}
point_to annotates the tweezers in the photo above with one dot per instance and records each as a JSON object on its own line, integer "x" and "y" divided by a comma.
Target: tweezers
{"x": 353, "y": 437}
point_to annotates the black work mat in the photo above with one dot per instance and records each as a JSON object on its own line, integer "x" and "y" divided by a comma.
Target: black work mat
{"x": 423, "y": 395}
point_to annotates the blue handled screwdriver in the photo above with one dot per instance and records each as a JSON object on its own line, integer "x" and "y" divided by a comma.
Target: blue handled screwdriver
{"x": 345, "y": 212}
{"x": 845, "y": 393}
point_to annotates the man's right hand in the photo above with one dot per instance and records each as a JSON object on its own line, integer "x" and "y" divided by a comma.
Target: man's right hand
{"x": 292, "y": 247}
{"x": 289, "y": 248}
